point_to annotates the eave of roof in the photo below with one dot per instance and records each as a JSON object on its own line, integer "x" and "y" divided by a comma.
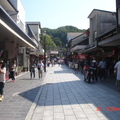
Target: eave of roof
{"x": 30, "y": 32}
{"x": 34, "y": 23}
{"x": 12, "y": 6}
{"x": 110, "y": 30}
{"x": 95, "y": 10}
{"x": 10, "y": 22}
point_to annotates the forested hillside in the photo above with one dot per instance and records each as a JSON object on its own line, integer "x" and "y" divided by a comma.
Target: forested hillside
{"x": 58, "y": 36}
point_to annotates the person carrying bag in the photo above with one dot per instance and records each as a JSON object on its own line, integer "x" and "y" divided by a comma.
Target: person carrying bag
{"x": 40, "y": 67}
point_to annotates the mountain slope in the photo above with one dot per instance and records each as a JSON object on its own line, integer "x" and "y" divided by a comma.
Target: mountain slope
{"x": 59, "y": 35}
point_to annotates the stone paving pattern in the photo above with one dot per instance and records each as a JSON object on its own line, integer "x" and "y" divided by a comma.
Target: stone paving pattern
{"x": 60, "y": 95}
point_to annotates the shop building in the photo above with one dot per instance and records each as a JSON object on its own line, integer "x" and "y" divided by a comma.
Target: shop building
{"x": 15, "y": 43}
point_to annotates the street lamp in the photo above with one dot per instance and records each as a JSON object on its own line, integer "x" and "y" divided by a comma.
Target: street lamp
{"x": 44, "y": 51}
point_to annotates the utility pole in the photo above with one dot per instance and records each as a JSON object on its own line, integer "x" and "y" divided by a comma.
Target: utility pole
{"x": 44, "y": 51}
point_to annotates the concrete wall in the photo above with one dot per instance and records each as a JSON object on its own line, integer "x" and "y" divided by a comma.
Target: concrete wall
{"x": 101, "y": 22}
{"x": 12, "y": 53}
{"x": 24, "y": 58}
{"x": 106, "y": 21}
{"x": 93, "y": 28}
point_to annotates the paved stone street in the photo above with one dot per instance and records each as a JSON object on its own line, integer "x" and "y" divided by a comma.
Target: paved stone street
{"x": 60, "y": 95}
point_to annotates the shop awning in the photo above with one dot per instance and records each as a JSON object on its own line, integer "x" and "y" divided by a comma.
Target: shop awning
{"x": 37, "y": 52}
{"x": 111, "y": 41}
{"x": 91, "y": 49}
{"x": 78, "y": 47}
{"x": 79, "y": 39}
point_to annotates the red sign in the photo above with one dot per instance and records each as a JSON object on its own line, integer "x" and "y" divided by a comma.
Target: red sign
{"x": 109, "y": 108}
{"x": 81, "y": 56}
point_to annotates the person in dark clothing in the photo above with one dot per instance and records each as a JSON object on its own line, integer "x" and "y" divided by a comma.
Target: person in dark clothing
{"x": 32, "y": 69}
{"x": 94, "y": 65}
{"x": 12, "y": 71}
{"x": 111, "y": 68}
{"x": 82, "y": 65}
{"x": 102, "y": 65}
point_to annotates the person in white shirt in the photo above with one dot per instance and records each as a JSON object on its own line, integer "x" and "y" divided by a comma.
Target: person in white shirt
{"x": 2, "y": 79}
{"x": 117, "y": 67}
{"x": 76, "y": 67}
{"x": 40, "y": 67}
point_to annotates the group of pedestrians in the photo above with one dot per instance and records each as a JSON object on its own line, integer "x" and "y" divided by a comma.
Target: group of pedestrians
{"x": 3, "y": 76}
{"x": 12, "y": 69}
{"x": 52, "y": 62}
{"x": 39, "y": 66}
{"x": 100, "y": 69}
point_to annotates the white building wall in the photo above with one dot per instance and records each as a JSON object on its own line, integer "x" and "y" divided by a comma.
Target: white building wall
{"x": 39, "y": 32}
{"x": 93, "y": 27}
{"x": 99, "y": 23}
{"x": 20, "y": 17}
{"x": 106, "y": 21}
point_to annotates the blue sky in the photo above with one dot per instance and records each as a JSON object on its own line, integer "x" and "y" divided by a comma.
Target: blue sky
{"x": 56, "y": 13}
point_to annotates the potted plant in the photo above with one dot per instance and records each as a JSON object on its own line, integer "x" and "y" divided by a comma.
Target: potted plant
{"x": 25, "y": 68}
{"x": 19, "y": 69}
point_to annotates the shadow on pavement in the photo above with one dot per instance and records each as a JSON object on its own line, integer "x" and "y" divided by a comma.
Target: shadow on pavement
{"x": 64, "y": 92}
{"x": 93, "y": 97}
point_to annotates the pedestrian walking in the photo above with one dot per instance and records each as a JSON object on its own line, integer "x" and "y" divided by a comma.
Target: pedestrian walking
{"x": 102, "y": 65}
{"x": 32, "y": 69}
{"x": 117, "y": 68}
{"x": 48, "y": 63}
{"x": 53, "y": 62}
{"x": 2, "y": 79}
{"x": 12, "y": 71}
{"x": 59, "y": 62}
{"x": 40, "y": 67}
{"x": 94, "y": 66}
{"x": 76, "y": 67}
{"x": 85, "y": 71}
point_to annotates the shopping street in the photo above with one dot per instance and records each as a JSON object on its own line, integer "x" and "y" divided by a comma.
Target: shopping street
{"x": 60, "y": 95}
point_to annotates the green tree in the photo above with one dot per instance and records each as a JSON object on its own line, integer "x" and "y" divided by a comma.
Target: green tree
{"x": 60, "y": 34}
{"x": 58, "y": 41}
{"x": 48, "y": 41}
